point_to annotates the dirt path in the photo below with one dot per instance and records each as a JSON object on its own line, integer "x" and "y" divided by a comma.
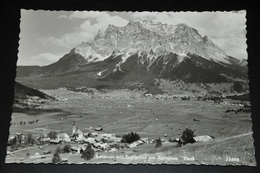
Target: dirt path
{"x": 236, "y": 136}
{"x": 225, "y": 139}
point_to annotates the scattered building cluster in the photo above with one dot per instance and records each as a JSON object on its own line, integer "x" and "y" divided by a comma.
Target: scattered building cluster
{"x": 100, "y": 142}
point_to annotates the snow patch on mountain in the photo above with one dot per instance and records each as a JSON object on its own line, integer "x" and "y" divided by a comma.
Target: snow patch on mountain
{"x": 125, "y": 57}
{"x": 181, "y": 57}
{"x": 153, "y": 39}
{"x": 100, "y": 73}
{"x": 86, "y": 50}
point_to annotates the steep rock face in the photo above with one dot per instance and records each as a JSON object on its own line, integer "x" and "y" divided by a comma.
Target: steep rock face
{"x": 190, "y": 68}
{"x": 147, "y": 36}
{"x": 154, "y": 49}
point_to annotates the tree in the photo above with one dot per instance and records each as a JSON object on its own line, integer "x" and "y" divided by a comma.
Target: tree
{"x": 58, "y": 150}
{"x": 130, "y": 137}
{"x": 40, "y": 139}
{"x": 13, "y": 143}
{"x": 187, "y": 136}
{"x": 158, "y": 143}
{"x": 88, "y": 153}
{"x": 29, "y": 139}
{"x": 56, "y": 157}
{"x": 237, "y": 86}
{"x": 52, "y": 134}
{"x": 67, "y": 148}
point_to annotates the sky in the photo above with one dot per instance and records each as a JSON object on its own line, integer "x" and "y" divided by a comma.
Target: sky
{"x": 46, "y": 36}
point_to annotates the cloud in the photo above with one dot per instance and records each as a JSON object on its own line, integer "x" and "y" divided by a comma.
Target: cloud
{"x": 92, "y": 22}
{"x": 68, "y": 40}
{"x": 101, "y": 18}
{"x": 226, "y": 29}
{"x": 44, "y": 59}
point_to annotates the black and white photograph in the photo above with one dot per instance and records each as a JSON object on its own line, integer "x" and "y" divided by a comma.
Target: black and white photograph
{"x": 132, "y": 88}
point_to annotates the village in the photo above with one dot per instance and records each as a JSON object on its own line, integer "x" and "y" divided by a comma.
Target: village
{"x": 73, "y": 121}
{"x": 78, "y": 141}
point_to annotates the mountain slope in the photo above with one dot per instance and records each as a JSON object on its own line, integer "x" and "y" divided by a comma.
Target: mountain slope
{"x": 26, "y": 70}
{"x": 22, "y": 92}
{"x": 127, "y": 54}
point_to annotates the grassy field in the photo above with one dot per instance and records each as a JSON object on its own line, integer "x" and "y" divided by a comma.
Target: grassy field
{"x": 149, "y": 118}
{"x": 216, "y": 152}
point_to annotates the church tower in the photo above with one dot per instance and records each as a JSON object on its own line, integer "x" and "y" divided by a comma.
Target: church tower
{"x": 74, "y": 128}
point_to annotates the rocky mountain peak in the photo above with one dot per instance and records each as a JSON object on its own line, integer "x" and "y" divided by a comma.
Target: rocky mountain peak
{"x": 144, "y": 48}
{"x": 144, "y": 35}
{"x": 205, "y": 38}
{"x": 182, "y": 26}
{"x": 134, "y": 24}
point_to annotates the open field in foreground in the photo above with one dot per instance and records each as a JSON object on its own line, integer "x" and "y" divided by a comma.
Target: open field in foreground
{"x": 150, "y": 118}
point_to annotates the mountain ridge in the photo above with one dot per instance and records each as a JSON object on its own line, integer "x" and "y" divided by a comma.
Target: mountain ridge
{"x": 180, "y": 39}
{"x": 174, "y": 52}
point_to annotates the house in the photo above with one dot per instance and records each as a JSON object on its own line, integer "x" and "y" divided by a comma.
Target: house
{"x": 113, "y": 149}
{"x": 60, "y": 137}
{"x": 78, "y": 149}
{"x": 113, "y": 139}
{"x": 148, "y": 95}
{"x": 146, "y": 140}
{"x": 136, "y": 143}
{"x": 36, "y": 155}
{"x": 90, "y": 140}
{"x": 98, "y": 129}
{"x": 80, "y": 139}
{"x": 132, "y": 145}
{"x": 107, "y": 136}
{"x": 46, "y": 152}
{"x": 93, "y": 134}
{"x": 10, "y": 140}
{"x": 63, "y": 137}
{"x": 44, "y": 139}
{"x": 203, "y": 138}
{"x": 20, "y": 137}
{"x": 96, "y": 145}
{"x": 104, "y": 146}
{"x": 55, "y": 141}
{"x": 140, "y": 142}
{"x": 99, "y": 138}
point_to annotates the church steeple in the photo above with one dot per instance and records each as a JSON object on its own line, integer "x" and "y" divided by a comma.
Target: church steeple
{"x": 74, "y": 128}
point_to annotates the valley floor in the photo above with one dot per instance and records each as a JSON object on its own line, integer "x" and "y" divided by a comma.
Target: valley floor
{"x": 150, "y": 118}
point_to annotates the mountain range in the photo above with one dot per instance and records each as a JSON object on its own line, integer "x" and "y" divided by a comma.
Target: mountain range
{"x": 142, "y": 51}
